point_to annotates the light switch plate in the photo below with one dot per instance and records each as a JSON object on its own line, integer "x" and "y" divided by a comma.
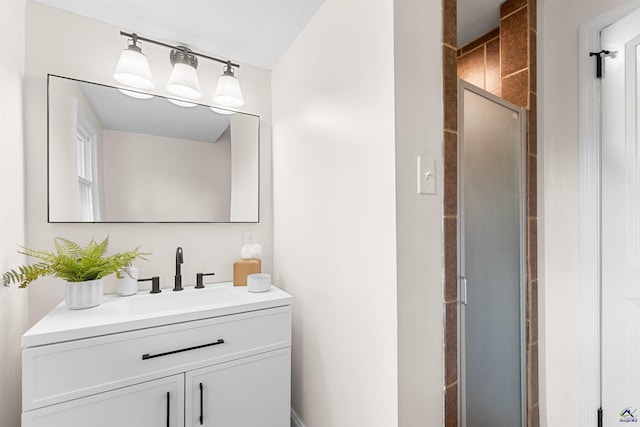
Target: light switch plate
{"x": 426, "y": 176}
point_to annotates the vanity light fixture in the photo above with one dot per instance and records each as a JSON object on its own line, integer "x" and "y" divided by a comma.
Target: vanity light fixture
{"x": 133, "y": 67}
{"x": 228, "y": 90}
{"x": 183, "y": 81}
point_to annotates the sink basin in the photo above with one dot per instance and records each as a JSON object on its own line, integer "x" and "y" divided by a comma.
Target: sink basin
{"x": 187, "y": 299}
{"x": 144, "y": 310}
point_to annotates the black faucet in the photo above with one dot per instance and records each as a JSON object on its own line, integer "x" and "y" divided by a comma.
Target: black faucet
{"x": 178, "y": 278}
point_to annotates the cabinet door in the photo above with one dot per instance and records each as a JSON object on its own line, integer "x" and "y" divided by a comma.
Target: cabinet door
{"x": 158, "y": 403}
{"x": 249, "y": 392}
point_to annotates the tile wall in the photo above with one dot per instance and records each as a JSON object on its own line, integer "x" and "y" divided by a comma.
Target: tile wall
{"x": 479, "y": 62}
{"x": 502, "y": 62}
{"x": 450, "y": 137}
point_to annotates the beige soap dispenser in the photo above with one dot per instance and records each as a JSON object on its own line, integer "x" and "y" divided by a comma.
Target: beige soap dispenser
{"x": 249, "y": 263}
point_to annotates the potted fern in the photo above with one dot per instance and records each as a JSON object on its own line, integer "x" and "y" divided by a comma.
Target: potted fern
{"x": 83, "y": 269}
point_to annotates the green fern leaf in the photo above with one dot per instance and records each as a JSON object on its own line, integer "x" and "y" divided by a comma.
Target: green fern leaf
{"x": 72, "y": 262}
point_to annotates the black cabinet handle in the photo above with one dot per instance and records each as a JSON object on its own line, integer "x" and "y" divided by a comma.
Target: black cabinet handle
{"x": 201, "y": 405}
{"x": 168, "y": 409}
{"x": 147, "y": 356}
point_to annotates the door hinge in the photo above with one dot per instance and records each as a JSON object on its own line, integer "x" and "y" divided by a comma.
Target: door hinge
{"x": 599, "y": 417}
{"x": 599, "y": 56}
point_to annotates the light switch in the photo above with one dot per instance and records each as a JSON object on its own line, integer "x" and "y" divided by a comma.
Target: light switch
{"x": 426, "y": 175}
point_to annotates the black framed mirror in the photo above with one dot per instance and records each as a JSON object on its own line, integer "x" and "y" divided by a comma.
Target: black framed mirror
{"x": 115, "y": 157}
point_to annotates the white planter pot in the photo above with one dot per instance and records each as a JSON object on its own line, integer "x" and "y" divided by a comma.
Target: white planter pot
{"x": 79, "y": 295}
{"x": 128, "y": 285}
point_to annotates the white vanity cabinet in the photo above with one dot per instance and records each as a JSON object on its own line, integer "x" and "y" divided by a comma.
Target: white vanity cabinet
{"x": 246, "y": 392}
{"x": 149, "y": 404}
{"x": 216, "y": 364}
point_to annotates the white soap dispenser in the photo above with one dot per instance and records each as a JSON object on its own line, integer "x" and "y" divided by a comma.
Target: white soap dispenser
{"x": 128, "y": 284}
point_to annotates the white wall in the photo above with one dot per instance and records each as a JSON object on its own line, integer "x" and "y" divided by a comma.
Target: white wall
{"x": 334, "y": 213}
{"x": 418, "y": 103}
{"x": 144, "y": 179}
{"x": 560, "y": 293}
{"x": 62, "y": 43}
{"x": 244, "y": 167}
{"x": 13, "y": 301}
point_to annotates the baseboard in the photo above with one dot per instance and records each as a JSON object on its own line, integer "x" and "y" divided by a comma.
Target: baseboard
{"x": 295, "y": 420}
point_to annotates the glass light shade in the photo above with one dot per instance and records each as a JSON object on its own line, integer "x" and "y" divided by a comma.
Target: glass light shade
{"x": 228, "y": 91}
{"x": 183, "y": 82}
{"x": 182, "y": 103}
{"x": 222, "y": 111}
{"x": 137, "y": 95}
{"x": 133, "y": 69}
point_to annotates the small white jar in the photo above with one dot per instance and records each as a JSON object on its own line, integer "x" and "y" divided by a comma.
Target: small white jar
{"x": 259, "y": 282}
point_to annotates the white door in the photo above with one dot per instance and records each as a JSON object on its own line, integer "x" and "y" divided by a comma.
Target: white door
{"x": 249, "y": 392}
{"x": 157, "y": 403}
{"x": 621, "y": 224}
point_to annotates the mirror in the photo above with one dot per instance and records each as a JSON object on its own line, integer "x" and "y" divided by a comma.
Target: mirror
{"x": 113, "y": 157}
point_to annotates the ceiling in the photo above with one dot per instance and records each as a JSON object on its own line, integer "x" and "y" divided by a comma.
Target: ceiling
{"x": 155, "y": 116}
{"x": 255, "y": 32}
{"x": 477, "y": 17}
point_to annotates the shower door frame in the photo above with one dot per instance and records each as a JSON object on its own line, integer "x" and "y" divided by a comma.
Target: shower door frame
{"x": 523, "y": 119}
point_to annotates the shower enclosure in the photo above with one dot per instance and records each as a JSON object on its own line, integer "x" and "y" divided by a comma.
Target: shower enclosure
{"x": 491, "y": 258}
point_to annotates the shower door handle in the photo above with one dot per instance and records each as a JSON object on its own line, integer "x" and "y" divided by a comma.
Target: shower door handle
{"x": 463, "y": 290}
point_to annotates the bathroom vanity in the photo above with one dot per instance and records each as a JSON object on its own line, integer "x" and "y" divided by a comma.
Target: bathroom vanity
{"x": 218, "y": 356}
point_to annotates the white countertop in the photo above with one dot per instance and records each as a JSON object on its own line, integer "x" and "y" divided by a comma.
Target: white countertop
{"x": 145, "y": 310}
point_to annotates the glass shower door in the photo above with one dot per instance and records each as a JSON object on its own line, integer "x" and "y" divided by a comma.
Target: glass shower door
{"x": 491, "y": 260}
